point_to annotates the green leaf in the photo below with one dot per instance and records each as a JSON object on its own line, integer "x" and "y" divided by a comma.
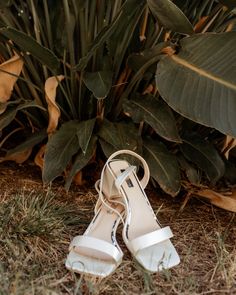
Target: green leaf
{"x": 119, "y": 136}
{"x": 30, "y": 142}
{"x": 84, "y": 133}
{"x": 28, "y": 44}
{"x": 126, "y": 31}
{"x": 81, "y": 161}
{"x": 105, "y": 33}
{"x": 204, "y": 155}
{"x": 126, "y": 11}
{"x": 107, "y": 148}
{"x": 191, "y": 172}
{"x": 163, "y": 166}
{"x": 9, "y": 115}
{"x": 98, "y": 82}
{"x": 62, "y": 145}
{"x": 200, "y": 81}
{"x": 137, "y": 60}
{"x": 154, "y": 112}
{"x": 170, "y": 16}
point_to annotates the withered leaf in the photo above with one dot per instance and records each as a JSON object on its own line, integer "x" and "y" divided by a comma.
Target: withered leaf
{"x": 50, "y": 95}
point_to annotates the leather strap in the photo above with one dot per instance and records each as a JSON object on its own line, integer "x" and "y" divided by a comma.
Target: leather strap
{"x": 150, "y": 239}
{"x": 96, "y": 244}
{"x": 123, "y": 176}
{"x": 144, "y": 181}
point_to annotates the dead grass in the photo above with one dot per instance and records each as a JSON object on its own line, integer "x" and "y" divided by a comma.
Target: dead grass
{"x": 36, "y": 226}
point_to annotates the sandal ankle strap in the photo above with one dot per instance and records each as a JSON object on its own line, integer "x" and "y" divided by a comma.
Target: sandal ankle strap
{"x": 144, "y": 181}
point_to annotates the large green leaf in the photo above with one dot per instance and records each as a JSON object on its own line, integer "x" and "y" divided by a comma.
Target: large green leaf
{"x": 137, "y": 60}
{"x": 30, "y": 142}
{"x": 204, "y": 155}
{"x": 156, "y": 113}
{"x": 193, "y": 174}
{"x": 118, "y": 136}
{"x": 98, "y": 82}
{"x": 81, "y": 161}
{"x": 200, "y": 81}
{"x": 9, "y": 115}
{"x": 84, "y": 133}
{"x": 163, "y": 166}
{"x": 62, "y": 145}
{"x": 170, "y": 16}
{"x": 28, "y": 44}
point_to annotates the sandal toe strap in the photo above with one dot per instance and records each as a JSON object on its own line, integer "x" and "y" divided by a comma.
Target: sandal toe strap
{"x": 96, "y": 244}
{"x": 150, "y": 239}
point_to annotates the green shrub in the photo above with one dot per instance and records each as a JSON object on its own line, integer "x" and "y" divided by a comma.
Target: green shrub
{"x": 144, "y": 75}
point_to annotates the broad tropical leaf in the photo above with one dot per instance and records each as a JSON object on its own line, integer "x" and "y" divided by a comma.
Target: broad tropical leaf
{"x": 99, "y": 83}
{"x": 200, "y": 81}
{"x": 204, "y": 155}
{"x": 9, "y": 72}
{"x": 28, "y": 44}
{"x": 81, "y": 161}
{"x": 170, "y": 16}
{"x": 62, "y": 145}
{"x": 8, "y": 116}
{"x": 21, "y": 153}
{"x": 227, "y": 202}
{"x": 50, "y": 95}
{"x": 118, "y": 136}
{"x": 154, "y": 112}
{"x": 192, "y": 173}
{"x": 84, "y": 133}
{"x": 163, "y": 166}
{"x": 137, "y": 60}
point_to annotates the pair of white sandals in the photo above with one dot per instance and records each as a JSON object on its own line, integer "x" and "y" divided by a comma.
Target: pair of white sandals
{"x": 122, "y": 199}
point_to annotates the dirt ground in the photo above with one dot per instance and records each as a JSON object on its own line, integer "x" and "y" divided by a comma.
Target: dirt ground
{"x": 32, "y": 261}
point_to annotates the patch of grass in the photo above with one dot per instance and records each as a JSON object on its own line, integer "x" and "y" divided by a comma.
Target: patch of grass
{"x": 33, "y": 241}
{"x": 36, "y": 228}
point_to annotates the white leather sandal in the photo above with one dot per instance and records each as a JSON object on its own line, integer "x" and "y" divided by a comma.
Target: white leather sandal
{"x": 96, "y": 252}
{"x": 147, "y": 241}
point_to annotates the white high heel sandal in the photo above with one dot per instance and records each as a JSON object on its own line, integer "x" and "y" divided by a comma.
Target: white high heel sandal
{"x": 122, "y": 198}
{"x": 96, "y": 252}
{"x": 147, "y": 241}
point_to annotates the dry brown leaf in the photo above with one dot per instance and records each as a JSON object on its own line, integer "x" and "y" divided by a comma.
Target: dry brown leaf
{"x": 200, "y": 24}
{"x": 148, "y": 90}
{"x": 218, "y": 199}
{"x": 53, "y": 109}
{"x": 78, "y": 178}
{"x": 168, "y": 50}
{"x": 18, "y": 157}
{"x": 229, "y": 144}
{"x": 39, "y": 158}
{"x": 9, "y": 72}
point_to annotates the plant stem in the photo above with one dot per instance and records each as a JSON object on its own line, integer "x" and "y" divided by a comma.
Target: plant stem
{"x": 48, "y": 24}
